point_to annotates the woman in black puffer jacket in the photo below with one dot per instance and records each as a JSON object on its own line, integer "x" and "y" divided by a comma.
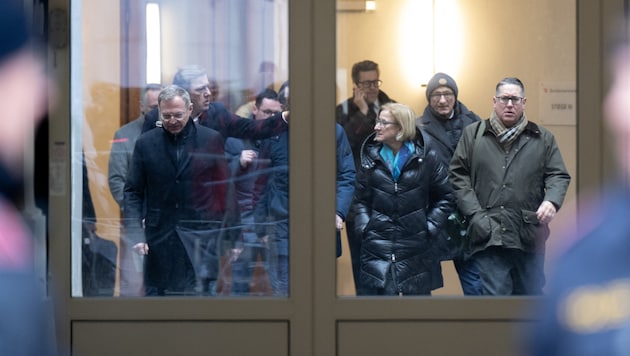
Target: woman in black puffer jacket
{"x": 403, "y": 199}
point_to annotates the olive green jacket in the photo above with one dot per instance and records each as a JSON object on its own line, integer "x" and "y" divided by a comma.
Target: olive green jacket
{"x": 500, "y": 191}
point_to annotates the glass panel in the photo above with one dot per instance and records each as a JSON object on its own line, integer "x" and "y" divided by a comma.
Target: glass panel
{"x": 410, "y": 41}
{"x": 169, "y": 206}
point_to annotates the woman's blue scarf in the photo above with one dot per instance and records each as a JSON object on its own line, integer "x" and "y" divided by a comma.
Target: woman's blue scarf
{"x": 395, "y": 163}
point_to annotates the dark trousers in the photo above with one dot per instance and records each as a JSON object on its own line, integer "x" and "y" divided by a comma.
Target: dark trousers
{"x": 354, "y": 244}
{"x": 509, "y": 271}
{"x": 468, "y": 276}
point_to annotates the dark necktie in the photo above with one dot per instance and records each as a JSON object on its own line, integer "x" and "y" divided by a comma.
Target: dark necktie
{"x": 371, "y": 112}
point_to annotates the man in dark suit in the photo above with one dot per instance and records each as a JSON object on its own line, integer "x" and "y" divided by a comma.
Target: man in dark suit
{"x": 179, "y": 172}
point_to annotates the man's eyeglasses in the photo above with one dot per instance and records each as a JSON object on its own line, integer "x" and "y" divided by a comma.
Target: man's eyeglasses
{"x": 370, "y": 83}
{"x": 177, "y": 116}
{"x": 438, "y": 96}
{"x": 384, "y": 122}
{"x": 506, "y": 99}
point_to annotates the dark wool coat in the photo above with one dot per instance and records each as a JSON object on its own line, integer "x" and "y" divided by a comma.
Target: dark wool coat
{"x": 399, "y": 221}
{"x": 445, "y": 134}
{"x": 183, "y": 183}
{"x": 271, "y": 214}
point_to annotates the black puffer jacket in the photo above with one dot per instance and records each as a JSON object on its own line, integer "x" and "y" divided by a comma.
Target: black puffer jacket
{"x": 400, "y": 220}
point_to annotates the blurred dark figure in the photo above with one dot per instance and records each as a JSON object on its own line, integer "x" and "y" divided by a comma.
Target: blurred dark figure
{"x": 249, "y": 168}
{"x": 25, "y": 321}
{"x": 98, "y": 261}
{"x": 125, "y": 137}
{"x": 588, "y": 308}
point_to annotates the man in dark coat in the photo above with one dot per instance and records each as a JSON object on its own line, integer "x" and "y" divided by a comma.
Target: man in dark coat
{"x": 510, "y": 180}
{"x": 179, "y": 172}
{"x": 444, "y": 119}
{"x": 357, "y": 116}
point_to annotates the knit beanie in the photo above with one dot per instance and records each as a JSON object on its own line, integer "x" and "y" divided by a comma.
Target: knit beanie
{"x": 14, "y": 30}
{"x": 439, "y": 80}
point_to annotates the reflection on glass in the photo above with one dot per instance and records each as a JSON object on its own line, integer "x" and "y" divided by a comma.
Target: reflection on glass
{"x": 178, "y": 199}
{"x": 415, "y": 41}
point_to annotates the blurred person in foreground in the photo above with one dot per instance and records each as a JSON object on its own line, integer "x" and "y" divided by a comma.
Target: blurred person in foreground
{"x": 587, "y": 311}
{"x": 24, "y": 324}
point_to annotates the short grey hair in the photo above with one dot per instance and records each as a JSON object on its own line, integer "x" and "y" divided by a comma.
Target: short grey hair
{"x": 186, "y": 74}
{"x": 172, "y": 91}
{"x": 149, "y": 87}
{"x": 510, "y": 80}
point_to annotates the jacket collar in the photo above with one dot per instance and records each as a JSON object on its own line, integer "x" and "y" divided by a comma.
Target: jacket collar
{"x": 369, "y": 152}
{"x": 189, "y": 130}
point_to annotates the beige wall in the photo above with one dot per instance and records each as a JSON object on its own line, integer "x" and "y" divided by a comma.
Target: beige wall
{"x": 537, "y": 46}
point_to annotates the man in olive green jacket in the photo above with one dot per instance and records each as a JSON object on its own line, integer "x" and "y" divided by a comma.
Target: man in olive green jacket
{"x": 510, "y": 180}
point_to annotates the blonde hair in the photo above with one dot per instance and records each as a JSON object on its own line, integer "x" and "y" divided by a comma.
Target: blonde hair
{"x": 405, "y": 117}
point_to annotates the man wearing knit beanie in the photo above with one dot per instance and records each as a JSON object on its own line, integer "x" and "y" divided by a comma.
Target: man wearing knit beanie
{"x": 444, "y": 119}
{"x": 24, "y": 326}
{"x": 441, "y": 80}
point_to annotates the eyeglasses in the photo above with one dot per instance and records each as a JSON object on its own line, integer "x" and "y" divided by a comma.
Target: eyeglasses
{"x": 177, "y": 116}
{"x": 370, "y": 83}
{"x": 438, "y": 96}
{"x": 384, "y": 122}
{"x": 506, "y": 99}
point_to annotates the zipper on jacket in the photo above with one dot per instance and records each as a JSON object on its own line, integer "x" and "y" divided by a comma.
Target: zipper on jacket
{"x": 395, "y": 187}
{"x": 394, "y": 277}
